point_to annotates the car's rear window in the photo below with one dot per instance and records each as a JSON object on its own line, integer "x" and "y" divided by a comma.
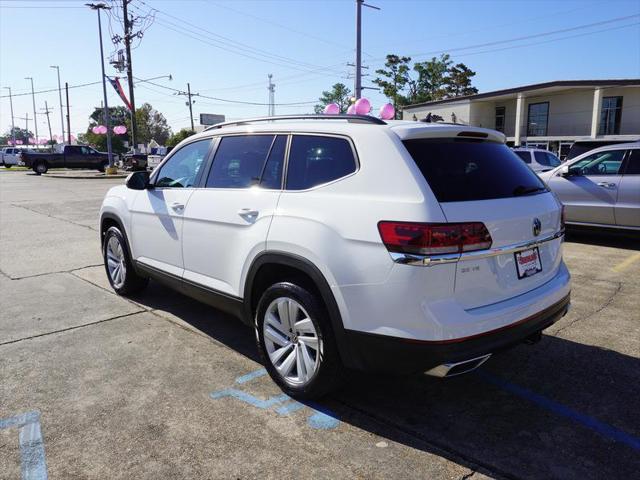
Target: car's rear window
{"x": 459, "y": 170}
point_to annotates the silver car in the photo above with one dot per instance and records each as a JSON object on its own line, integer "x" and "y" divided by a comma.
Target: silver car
{"x": 600, "y": 187}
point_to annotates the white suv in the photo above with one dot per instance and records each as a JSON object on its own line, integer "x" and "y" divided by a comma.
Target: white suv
{"x": 347, "y": 241}
{"x": 539, "y": 160}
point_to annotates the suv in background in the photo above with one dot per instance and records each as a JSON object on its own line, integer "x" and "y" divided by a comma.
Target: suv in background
{"x": 539, "y": 160}
{"x": 601, "y": 187}
{"x": 9, "y": 156}
{"x": 347, "y": 241}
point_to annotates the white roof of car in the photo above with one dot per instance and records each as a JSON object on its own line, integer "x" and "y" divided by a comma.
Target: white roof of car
{"x": 404, "y": 129}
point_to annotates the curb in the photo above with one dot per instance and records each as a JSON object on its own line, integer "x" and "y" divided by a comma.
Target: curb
{"x": 85, "y": 177}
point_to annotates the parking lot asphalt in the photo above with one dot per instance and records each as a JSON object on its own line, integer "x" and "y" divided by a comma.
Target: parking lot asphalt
{"x": 93, "y": 385}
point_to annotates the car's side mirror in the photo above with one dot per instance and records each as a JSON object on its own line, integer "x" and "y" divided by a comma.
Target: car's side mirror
{"x": 565, "y": 172}
{"x": 138, "y": 181}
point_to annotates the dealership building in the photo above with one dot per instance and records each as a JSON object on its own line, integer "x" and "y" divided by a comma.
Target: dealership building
{"x": 549, "y": 115}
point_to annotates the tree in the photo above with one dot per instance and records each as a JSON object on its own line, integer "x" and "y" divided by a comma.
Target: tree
{"x": 431, "y": 83}
{"x": 394, "y": 79}
{"x": 21, "y": 135}
{"x": 339, "y": 94}
{"x": 176, "y": 138}
{"x": 151, "y": 125}
{"x": 459, "y": 81}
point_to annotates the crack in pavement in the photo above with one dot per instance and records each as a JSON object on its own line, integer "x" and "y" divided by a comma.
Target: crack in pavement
{"x": 76, "y": 327}
{"x": 55, "y": 218}
{"x": 468, "y": 475}
{"x": 35, "y": 275}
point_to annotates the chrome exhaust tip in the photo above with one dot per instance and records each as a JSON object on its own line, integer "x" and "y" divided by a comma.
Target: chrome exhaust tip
{"x": 457, "y": 368}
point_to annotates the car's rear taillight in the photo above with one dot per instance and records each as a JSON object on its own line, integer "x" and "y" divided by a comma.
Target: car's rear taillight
{"x": 434, "y": 238}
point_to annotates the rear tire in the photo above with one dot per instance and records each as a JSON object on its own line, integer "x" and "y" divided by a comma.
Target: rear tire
{"x": 118, "y": 265}
{"x": 40, "y": 168}
{"x": 6, "y": 165}
{"x": 299, "y": 351}
{"x": 102, "y": 167}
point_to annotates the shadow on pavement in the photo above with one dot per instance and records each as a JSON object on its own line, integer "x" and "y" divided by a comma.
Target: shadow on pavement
{"x": 603, "y": 237}
{"x": 557, "y": 409}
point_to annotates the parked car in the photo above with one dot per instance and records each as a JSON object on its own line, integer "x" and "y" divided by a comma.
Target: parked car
{"x": 539, "y": 160}
{"x": 9, "y": 156}
{"x": 600, "y": 187}
{"x": 71, "y": 156}
{"x": 583, "y": 146}
{"x": 346, "y": 241}
{"x": 134, "y": 161}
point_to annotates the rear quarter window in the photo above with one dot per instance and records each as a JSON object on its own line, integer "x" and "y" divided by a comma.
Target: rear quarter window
{"x": 462, "y": 170}
{"x": 315, "y": 160}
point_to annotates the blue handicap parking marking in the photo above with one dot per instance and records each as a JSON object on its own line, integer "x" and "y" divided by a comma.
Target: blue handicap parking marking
{"x": 319, "y": 418}
{"x": 601, "y": 428}
{"x": 33, "y": 463}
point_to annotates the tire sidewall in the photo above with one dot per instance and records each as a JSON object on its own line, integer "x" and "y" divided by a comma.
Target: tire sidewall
{"x": 328, "y": 352}
{"x": 126, "y": 286}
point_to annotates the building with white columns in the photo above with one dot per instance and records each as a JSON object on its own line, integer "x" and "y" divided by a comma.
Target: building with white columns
{"x": 549, "y": 115}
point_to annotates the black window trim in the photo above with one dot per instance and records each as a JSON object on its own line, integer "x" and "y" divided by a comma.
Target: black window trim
{"x": 320, "y": 134}
{"x": 199, "y": 177}
{"x": 626, "y": 160}
{"x": 617, "y": 117}
{"x": 503, "y": 115}
{"x": 546, "y": 126}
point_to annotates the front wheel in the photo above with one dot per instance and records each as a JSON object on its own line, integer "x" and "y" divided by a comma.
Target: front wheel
{"x": 117, "y": 262}
{"x": 296, "y": 341}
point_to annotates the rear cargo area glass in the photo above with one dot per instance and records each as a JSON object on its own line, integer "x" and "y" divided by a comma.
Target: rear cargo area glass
{"x": 461, "y": 170}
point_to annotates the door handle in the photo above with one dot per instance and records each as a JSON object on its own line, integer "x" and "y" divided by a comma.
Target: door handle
{"x": 607, "y": 185}
{"x": 248, "y": 214}
{"x": 176, "y": 206}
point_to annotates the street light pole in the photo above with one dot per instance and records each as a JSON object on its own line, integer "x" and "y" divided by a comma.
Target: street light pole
{"x": 60, "y": 95}
{"x": 13, "y": 127}
{"x": 33, "y": 99}
{"x": 47, "y": 112}
{"x": 98, "y": 7}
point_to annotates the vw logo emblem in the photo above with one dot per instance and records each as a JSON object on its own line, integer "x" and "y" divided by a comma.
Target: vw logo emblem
{"x": 537, "y": 227}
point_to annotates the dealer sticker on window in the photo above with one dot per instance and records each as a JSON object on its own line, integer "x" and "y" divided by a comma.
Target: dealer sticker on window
{"x": 528, "y": 262}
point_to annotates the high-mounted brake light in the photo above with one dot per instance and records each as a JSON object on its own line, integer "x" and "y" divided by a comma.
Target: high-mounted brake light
{"x": 434, "y": 238}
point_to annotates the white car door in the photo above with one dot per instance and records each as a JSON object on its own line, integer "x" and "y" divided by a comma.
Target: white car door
{"x": 156, "y": 214}
{"x": 227, "y": 222}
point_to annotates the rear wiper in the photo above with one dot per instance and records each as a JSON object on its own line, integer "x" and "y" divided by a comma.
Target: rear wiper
{"x": 522, "y": 190}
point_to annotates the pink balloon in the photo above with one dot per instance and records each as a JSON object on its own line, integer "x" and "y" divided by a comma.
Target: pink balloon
{"x": 387, "y": 112}
{"x": 351, "y": 110}
{"x": 19, "y": 142}
{"x": 96, "y": 130}
{"x": 119, "y": 129}
{"x": 363, "y": 106}
{"x": 103, "y": 129}
{"x": 332, "y": 109}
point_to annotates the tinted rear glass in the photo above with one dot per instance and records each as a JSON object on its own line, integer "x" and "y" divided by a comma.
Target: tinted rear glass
{"x": 525, "y": 156}
{"x": 459, "y": 171}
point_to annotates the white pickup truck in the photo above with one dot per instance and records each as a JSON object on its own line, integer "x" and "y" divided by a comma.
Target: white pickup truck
{"x": 9, "y": 156}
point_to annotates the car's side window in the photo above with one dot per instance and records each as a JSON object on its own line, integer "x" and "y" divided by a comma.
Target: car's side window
{"x": 552, "y": 160}
{"x": 272, "y": 172}
{"x": 239, "y": 161}
{"x": 633, "y": 163}
{"x": 541, "y": 158}
{"x": 314, "y": 160}
{"x": 525, "y": 156}
{"x": 601, "y": 163}
{"x": 181, "y": 170}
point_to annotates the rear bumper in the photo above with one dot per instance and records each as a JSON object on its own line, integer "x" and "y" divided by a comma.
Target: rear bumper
{"x": 382, "y": 353}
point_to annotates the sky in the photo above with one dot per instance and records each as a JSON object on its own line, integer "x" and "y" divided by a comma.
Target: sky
{"x": 226, "y": 49}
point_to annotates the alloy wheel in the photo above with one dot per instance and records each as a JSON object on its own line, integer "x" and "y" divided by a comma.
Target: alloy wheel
{"x": 116, "y": 263}
{"x": 291, "y": 340}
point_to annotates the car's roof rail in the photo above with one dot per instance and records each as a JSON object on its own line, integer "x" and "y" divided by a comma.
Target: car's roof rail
{"x": 349, "y": 118}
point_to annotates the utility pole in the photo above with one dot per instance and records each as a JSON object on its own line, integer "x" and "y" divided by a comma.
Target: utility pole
{"x": 127, "y": 44}
{"x": 272, "y": 97}
{"x": 60, "y": 96}
{"x": 98, "y": 7}
{"x": 47, "y": 112}
{"x": 33, "y": 99}
{"x": 13, "y": 127}
{"x": 358, "y": 77}
{"x": 26, "y": 118}
{"x": 66, "y": 88}
{"x": 189, "y": 103}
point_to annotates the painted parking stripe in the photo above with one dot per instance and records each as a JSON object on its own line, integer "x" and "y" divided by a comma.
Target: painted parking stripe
{"x": 33, "y": 464}
{"x": 627, "y": 263}
{"x": 602, "y": 428}
{"x": 251, "y": 376}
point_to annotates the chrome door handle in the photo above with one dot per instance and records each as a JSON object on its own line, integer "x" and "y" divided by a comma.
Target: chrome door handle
{"x": 177, "y": 206}
{"x": 248, "y": 214}
{"x": 607, "y": 185}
